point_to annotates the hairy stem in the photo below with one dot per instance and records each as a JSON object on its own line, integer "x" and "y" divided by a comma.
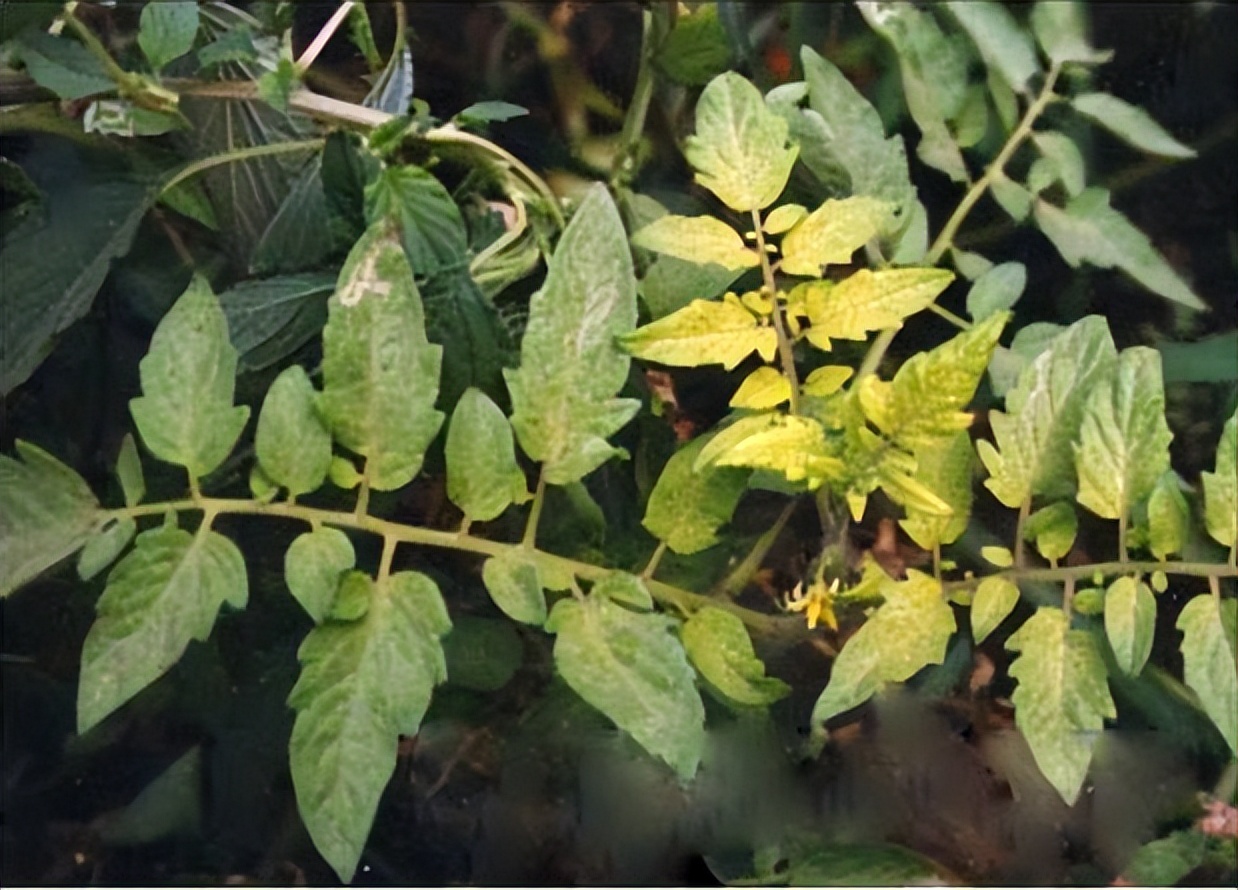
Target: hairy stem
{"x": 786, "y": 355}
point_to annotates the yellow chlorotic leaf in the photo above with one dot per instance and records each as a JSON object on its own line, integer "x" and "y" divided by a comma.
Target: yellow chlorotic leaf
{"x": 792, "y": 445}
{"x": 867, "y": 301}
{"x": 998, "y": 556}
{"x": 763, "y": 388}
{"x": 758, "y": 303}
{"x": 782, "y": 218}
{"x": 831, "y": 233}
{"x": 826, "y": 380}
{"x": 697, "y": 239}
{"x": 944, "y": 469}
{"x": 703, "y": 333}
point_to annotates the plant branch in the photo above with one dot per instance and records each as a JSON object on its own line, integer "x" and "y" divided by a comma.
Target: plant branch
{"x": 786, "y": 354}
{"x": 535, "y": 511}
{"x": 652, "y": 565}
{"x": 653, "y": 32}
{"x": 238, "y": 155}
{"x": 323, "y": 36}
{"x": 1210, "y": 570}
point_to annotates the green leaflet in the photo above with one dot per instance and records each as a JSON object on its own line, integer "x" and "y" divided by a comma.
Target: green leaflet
{"x": 293, "y": 444}
{"x": 908, "y": 631}
{"x": 996, "y": 290}
{"x": 483, "y": 477}
{"x": 129, "y": 471}
{"x": 1062, "y": 699}
{"x": 167, "y": 31}
{"x": 61, "y": 65}
{"x": 995, "y": 599}
{"x": 626, "y": 589}
{"x": 1130, "y": 619}
{"x": 363, "y": 684}
{"x": 925, "y": 399}
{"x": 513, "y": 582}
{"x": 632, "y": 668}
{"x": 1003, "y": 43}
{"x": 1061, "y": 31}
{"x": 185, "y": 413}
{"x": 697, "y": 239}
{"x": 1168, "y": 517}
{"x": 1032, "y": 454}
{"x": 792, "y": 445}
{"x": 1123, "y": 445}
{"x": 1053, "y": 528}
{"x": 704, "y": 333}
{"x": 1221, "y": 489}
{"x": 696, "y": 50}
{"x": 1165, "y": 861}
{"x": 380, "y": 373}
{"x": 945, "y": 469}
{"x": 671, "y": 284}
{"x": 1060, "y": 161}
{"x": 764, "y": 388}
{"x": 832, "y": 233}
{"x": 782, "y": 218}
{"x": 689, "y": 505}
{"x": 718, "y": 644}
{"x": 864, "y": 302}
{"x": 1210, "y": 652}
{"x": 166, "y": 592}
{"x": 104, "y": 547}
{"x": 313, "y": 566}
{"x": 1088, "y": 230}
{"x": 862, "y": 865}
{"x": 740, "y": 150}
{"x": 1131, "y": 124}
{"x": 563, "y": 393}
{"x": 47, "y": 512}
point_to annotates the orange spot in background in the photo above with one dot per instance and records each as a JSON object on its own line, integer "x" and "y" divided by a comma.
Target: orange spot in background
{"x": 778, "y": 61}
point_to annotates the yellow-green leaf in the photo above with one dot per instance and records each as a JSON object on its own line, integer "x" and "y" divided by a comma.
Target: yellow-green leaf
{"x": 1053, "y": 529}
{"x": 995, "y": 599}
{"x": 764, "y": 388}
{"x": 1221, "y": 489}
{"x": 998, "y": 556}
{"x": 697, "y": 239}
{"x": 719, "y": 646}
{"x": 831, "y": 233}
{"x": 689, "y": 504}
{"x": 789, "y": 444}
{"x": 782, "y": 218}
{"x": 1130, "y": 619}
{"x": 865, "y": 302}
{"x": 1210, "y": 656}
{"x": 1168, "y": 517}
{"x": 945, "y": 469}
{"x": 703, "y": 333}
{"x": 826, "y": 380}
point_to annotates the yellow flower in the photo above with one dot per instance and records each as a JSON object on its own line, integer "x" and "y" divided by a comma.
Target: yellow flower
{"x": 817, "y": 602}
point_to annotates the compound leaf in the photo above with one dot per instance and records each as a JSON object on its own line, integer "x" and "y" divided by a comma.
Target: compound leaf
{"x": 1043, "y": 414}
{"x": 864, "y": 302}
{"x": 292, "y": 443}
{"x": 1088, "y": 230}
{"x": 1123, "y": 443}
{"x": 47, "y": 511}
{"x": 166, "y": 592}
{"x": 185, "y": 413}
{"x": 1062, "y": 699}
{"x": 483, "y": 477}
{"x": 313, "y": 566}
{"x": 719, "y": 646}
{"x": 832, "y": 233}
{"x": 1221, "y": 489}
{"x": 1131, "y": 124}
{"x": 703, "y": 333}
{"x": 1210, "y": 628}
{"x": 632, "y": 668}
{"x": 363, "y": 684}
{"x": 513, "y": 582}
{"x": 697, "y": 239}
{"x": 563, "y": 393}
{"x": 1130, "y": 619}
{"x": 995, "y": 599}
{"x": 740, "y": 150}
{"x": 688, "y": 504}
{"x": 380, "y": 373}
{"x": 908, "y": 631}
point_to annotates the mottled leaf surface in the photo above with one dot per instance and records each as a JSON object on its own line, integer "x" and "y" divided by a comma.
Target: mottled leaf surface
{"x": 1130, "y": 619}
{"x": 1210, "y": 655}
{"x": 697, "y": 239}
{"x": 292, "y": 442}
{"x": 483, "y": 478}
{"x": 718, "y": 645}
{"x": 513, "y": 582}
{"x": 313, "y": 566}
{"x": 703, "y": 333}
{"x": 688, "y": 504}
{"x": 1221, "y": 489}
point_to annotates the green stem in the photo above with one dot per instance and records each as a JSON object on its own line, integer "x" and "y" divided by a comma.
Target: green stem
{"x": 384, "y": 563}
{"x": 535, "y": 511}
{"x": 1122, "y": 537}
{"x": 960, "y": 323}
{"x": 738, "y": 577}
{"x": 125, "y": 80}
{"x": 1068, "y": 595}
{"x": 363, "y": 493}
{"x": 653, "y": 31}
{"x": 652, "y": 565}
{"x": 238, "y": 155}
{"x": 786, "y": 354}
{"x": 1024, "y": 509}
{"x": 1210, "y": 570}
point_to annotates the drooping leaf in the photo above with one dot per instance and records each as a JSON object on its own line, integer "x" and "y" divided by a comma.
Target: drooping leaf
{"x": 1060, "y": 159}
{"x": 61, "y": 65}
{"x": 1053, "y": 528}
{"x": 491, "y": 111}
{"x": 1003, "y": 44}
{"x": 908, "y": 631}
{"x": 697, "y": 239}
{"x": 380, "y": 373}
{"x": 1062, "y": 699}
{"x": 512, "y": 580}
{"x": 718, "y": 645}
{"x": 483, "y": 477}
{"x": 764, "y": 388}
{"x": 185, "y": 413}
{"x": 1131, "y": 124}
{"x": 47, "y": 511}
{"x": 1088, "y": 230}
{"x": 1130, "y": 619}
{"x": 832, "y": 233}
{"x": 313, "y": 566}
{"x": 696, "y": 50}
{"x": 925, "y": 399}
{"x": 270, "y": 318}
{"x": 946, "y": 469}
{"x": 563, "y": 394}
{"x": 102, "y": 549}
{"x": 865, "y": 301}
{"x": 632, "y": 668}
{"x": 740, "y": 150}
{"x": 1210, "y": 654}
{"x": 166, "y": 592}
{"x": 995, "y": 599}
{"x": 703, "y": 333}
{"x": 393, "y": 88}
{"x": 166, "y": 30}
{"x": 624, "y": 588}
{"x": 129, "y": 471}
{"x": 996, "y": 290}
{"x": 363, "y": 684}
{"x": 293, "y": 444}
{"x": 1221, "y": 489}
{"x": 1168, "y": 517}
{"x": 688, "y": 505}
{"x": 1124, "y": 440}
{"x": 792, "y": 445}
{"x": 1060, "y": 27}
{"x": 430, "y": 223}
{"x": 1043, "y": 414}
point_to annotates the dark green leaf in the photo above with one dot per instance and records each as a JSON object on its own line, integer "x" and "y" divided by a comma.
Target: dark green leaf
{"x": 167, "y": 30}
{"x": 62, "y": 65}
{"x": 482, "y": 653}
{"x": 1210, "y": 360}
{"x": 433, "y": 230}
{"x": 464, "y": 322}
{"x": 1165, "y": 861}
{"x": 696, "y": 50}
{"x": 863, "y": 865}
{"x": 270, "y": 318}
{"x": 299, "y": 236}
